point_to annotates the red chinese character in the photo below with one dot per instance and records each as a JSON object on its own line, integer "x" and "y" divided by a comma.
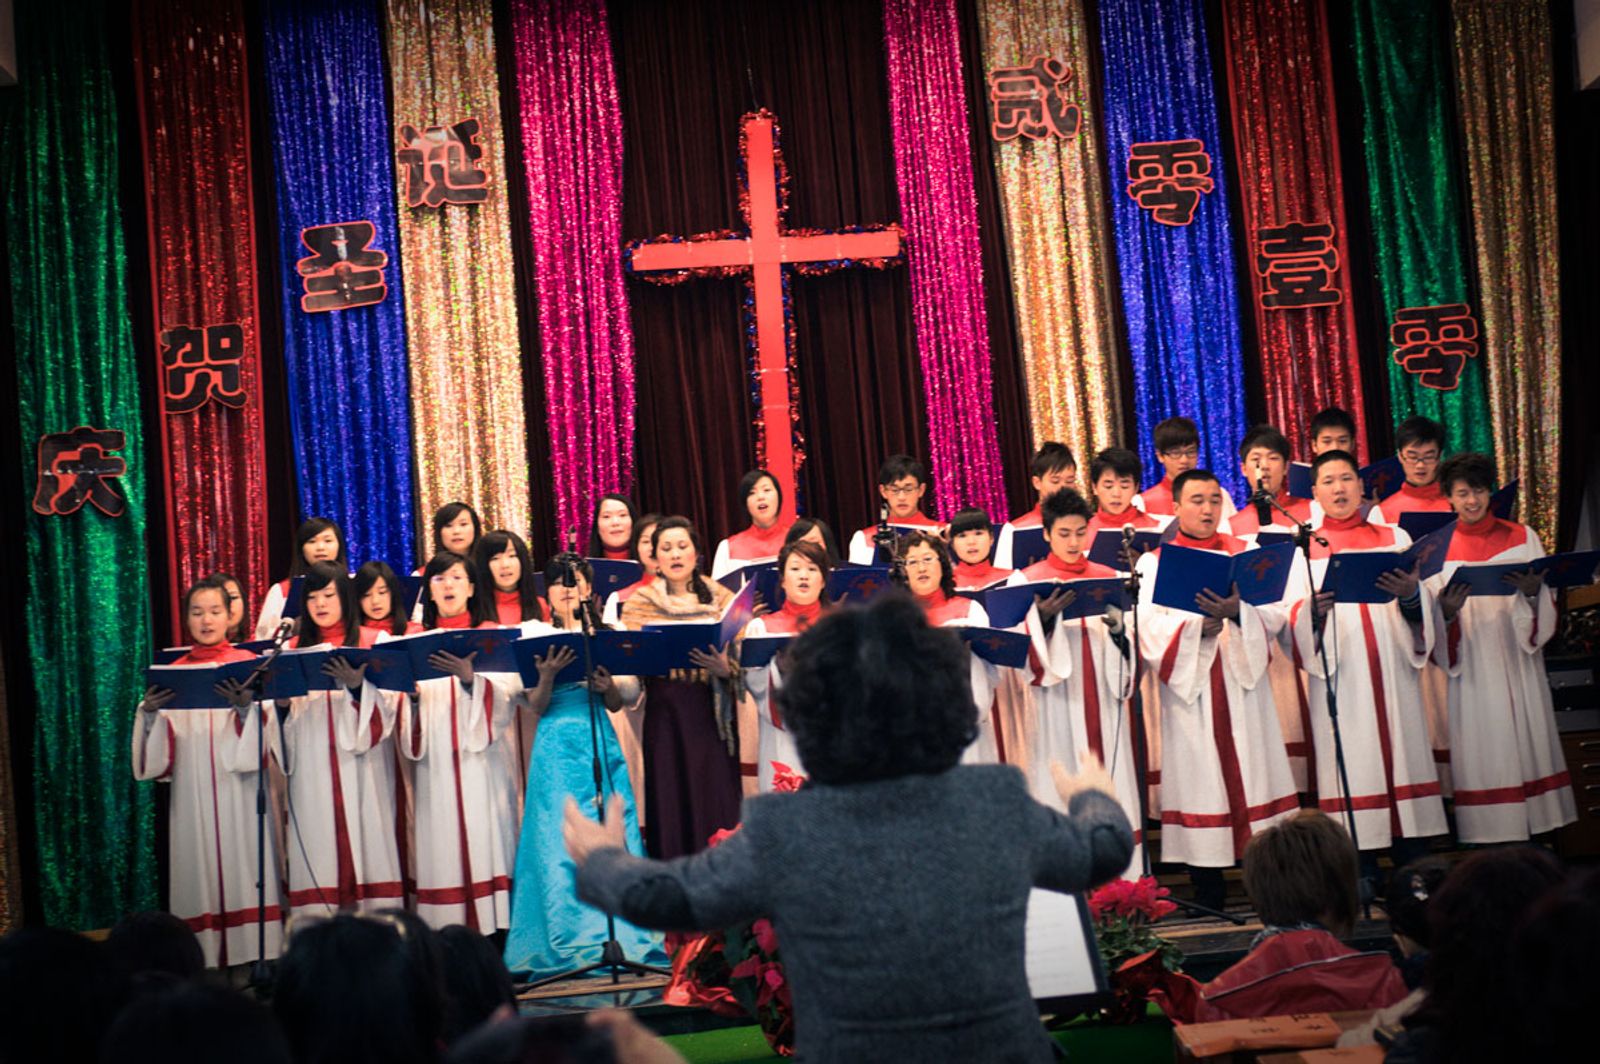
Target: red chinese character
{"x": 1167, "y": 178}
{"x": 1296, "y": 263}
{"x": 199, "y": 365}
{"x": 1031, "y": 101}
{"x": 441, "y": 165}
{"x": 1435, "y": 342}
{"x": 78, "y": 467}
{"x": 342, "y": 273}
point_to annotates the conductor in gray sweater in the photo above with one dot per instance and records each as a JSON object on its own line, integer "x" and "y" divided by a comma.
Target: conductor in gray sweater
{"x": 897, "y": 880}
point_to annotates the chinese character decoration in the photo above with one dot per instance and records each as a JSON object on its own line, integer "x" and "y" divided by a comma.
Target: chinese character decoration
{"x": 199, "y": 365}
{"x": 342, "y": 272}
{"x": 78, "y": 467}
{"x": 1031, "y": 101}
{"x": 1435, "y": 342}
{"x": 1296, "y": 262}
{"x": 441, "y": 165}
{"x": 1168, "y": 177}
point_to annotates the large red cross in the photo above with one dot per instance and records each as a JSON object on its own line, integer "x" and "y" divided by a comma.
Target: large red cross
{"x": 763, "y": 250}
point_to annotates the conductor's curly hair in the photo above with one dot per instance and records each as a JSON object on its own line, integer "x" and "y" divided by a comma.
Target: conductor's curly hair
{"x": 875, "y": 693}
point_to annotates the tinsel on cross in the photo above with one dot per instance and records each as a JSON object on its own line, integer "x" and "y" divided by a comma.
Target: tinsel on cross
{"x": 761, "y": 253}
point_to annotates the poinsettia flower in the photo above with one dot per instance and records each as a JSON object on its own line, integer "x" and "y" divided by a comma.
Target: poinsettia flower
{"x": 747, "y": 968}
{"x": 766, "y": 937}
{"x": 785, "y": 778}
{"x": 722, "y": 834}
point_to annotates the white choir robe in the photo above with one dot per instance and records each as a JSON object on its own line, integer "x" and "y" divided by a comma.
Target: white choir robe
{"x": 210, "y": 758}
{"x": 465, "y": 841}
{"x": 774, "y": 744}
{"x": 1229, "y": 774}
{"x": 272, "y": 610}
{"x": 985, "y": 749}
{"x": 342, "y": 846}
{"x": 1003, "y": 543}
{"x": 1511, "y": 778}
{"x": 1376, "y": 662}
{"x": 1082, "y": 687}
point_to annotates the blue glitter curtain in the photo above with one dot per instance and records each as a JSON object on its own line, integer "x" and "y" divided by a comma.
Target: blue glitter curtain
{"x": 1178, "y": 287}
{"x": 333, "y": 157}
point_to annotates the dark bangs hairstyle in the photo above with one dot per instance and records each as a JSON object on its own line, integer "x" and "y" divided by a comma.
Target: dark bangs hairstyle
{"x": 308, "y": 530}
{"x": 209, "y": 583}
{"x": 875, "y": 693}
{"x": 802, "y": 525}
{"x": 449, "y": 512}
{"x": 1304, "y": 870}
{"x": 947, "y": 566}
{"x": 812, "y": 553}
{"x": 641, "y": 524}
{"x": 319, "y": 577}
{"x": 493, "y": 544}
{"x": 697, "y": 582}
{"x": 969, "y": 519}
{"x": 236, "y": 633}
{"x": 480, "y": 607}
{"x": 1051, "y": 457}
{"x": 747, "y": 484}
{"x": 1063, "y": 503}
{"x": 597, "y": 549}
{"x": 1473, "y": 469}
{"x": 372, "y": 572}
{"x": 555, "y": 573}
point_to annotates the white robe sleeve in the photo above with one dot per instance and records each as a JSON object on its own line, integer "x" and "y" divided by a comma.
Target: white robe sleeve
{"x": 1247, "y": 650}
{"x": 609, "y": 615}
{"x": 236, "y": 739}
{"x": 1169, "y": 640}
{"x": 1534, "y": 620}
{"x": 1002, "y": 547}
{"x": 722, "y": 563}
{"x": 155, "y": 742}
{"x": 862, "y": 550}
{"x": 271, "y": 611}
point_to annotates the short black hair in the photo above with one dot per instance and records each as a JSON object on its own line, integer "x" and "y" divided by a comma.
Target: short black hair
{"x": 1332, "y": 418}
{"x": 970, "y": 519}
{"x": 154, "y": 941}
{"x": 1063, "y": 503}
{"x": 876, "y": 693}
{"x": 641, "y": 524}
{"x": 449, "y": 512}
{"x": 1418, "y": 430}
{"x": 194, "y": 1020}
{"x": 214, "y": 582}
{"x": 476, "y": 981}
{"x": 1266, "y": 436}
{"x": 802, "y": 525}
{"x": 1173, "y": 433}
{"x": 1328, "y": 458}
{"x": 1051, "y": 457}
{"x": 1304, "y": 869}
{"x": 1477, "y": 470}
{"x": 369, "y": 574}
{"x": 748, "y": 482}
{"x": 309, "y": 530}
{"x": 898, "y": 467}
{"x": 918, "y": 537}
{"x": 1119, "y": 460}
{"x": 318, "y": 576}
{"x": 1410, "y": 888}
{"x": 1189, "y": 477}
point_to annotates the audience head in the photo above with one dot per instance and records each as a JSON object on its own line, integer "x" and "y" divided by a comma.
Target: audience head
{"x": 451, "y": 586}
{"x": 971, "y": 536}
{"x": 1197, "y": 503}
{"x": 1303, "y": 870}
{"x": 902, "y": 482}
{"x": 1336, "y": 483}
{"x": 925, "y": 564}
{"x": 1468, "y": 482}
{"x": 59, "y": 993}
{"x": 762, "y": 497}
{"x": 349, "y": 990}
{"x": 502, "y": 558}
{"x": 456, "y": 528}
{"x": 1552, "y": 968}
{"x": 318, "y": 539}
{"x": 381, "y": 597}
{"x": 875, "y": 693}
{"x": 475, "y": 978}
{"x": 1114, "y": 477}
{"x": 1177, "y": 441}
{"x": 155, "y": 942}
{"x": 1411, "y": 889}
{"x": 816, "y": 531}
{"x": 615, "y": 522}
{"x": 331, "y": 607}
{"x": 192, "y": 1022}
{"x": 1332, "y": 430}
{"x": 1052, "y": 468}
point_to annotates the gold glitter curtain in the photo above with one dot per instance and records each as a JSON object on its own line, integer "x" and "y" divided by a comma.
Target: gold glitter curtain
{"x": 1505, "y": 100}
{"x": 461, "y": 313}
{"x": 1054, "y": 200}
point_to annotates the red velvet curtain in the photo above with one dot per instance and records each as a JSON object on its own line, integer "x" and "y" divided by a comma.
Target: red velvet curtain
{"x": 686, "y": 73}
{"x": 190, "y": 73}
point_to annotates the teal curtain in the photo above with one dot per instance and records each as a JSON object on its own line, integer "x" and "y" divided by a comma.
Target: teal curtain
{"x": 86, "y": 614}
{"x": 1419, "y": 223}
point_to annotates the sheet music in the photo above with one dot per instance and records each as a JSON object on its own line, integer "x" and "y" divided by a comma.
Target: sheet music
{"x": 1060, "y": 952}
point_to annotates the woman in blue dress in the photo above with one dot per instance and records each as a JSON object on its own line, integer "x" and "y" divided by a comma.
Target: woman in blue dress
{"x": 551, "y": 930}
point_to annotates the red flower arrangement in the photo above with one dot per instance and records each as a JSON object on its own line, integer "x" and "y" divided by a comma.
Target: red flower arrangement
{"x": 1123, "y": 911}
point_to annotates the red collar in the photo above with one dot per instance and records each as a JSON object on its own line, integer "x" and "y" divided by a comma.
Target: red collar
{"x": 1427, "y": 493}
{"x": 1066, "y": 569}
{"x": 1183, "y": 539}
{"x": 755, "y": 542}
{"x": 935, "y": 601}
{"x": 199, "y": 655}
{"x": 1486, "y": 527}
{"x": 974, "y": 575}
{"x": 1130, "y": 516}
{"x": 804, "y": 616}
{"x": 334, "y": 635}
{"x": 508, "y": 606}
{"x": 1343, "y": 524}
{"x": 460, "y": 620}
{"x": 1033, "y": 517}
{"x": 616, "y": 554}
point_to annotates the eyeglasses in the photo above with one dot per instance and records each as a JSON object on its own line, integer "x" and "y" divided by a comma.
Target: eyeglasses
{"x": 902, "y": 489}
{"x": 920, "y": 563}
{"x": 1420, "y": 457}
{"x": 1183, "y": 452}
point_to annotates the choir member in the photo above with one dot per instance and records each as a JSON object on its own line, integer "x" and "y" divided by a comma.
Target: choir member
{"x": 316, "y": 540}
{"x": 1419, "y": 444}
{"x": 902, "y": 482}
{"x": 343, "y": 852}
{"x": 1114, "y": 476}
{"x": 1264, "y": 464}
{"x": 1375, "y": 653}
{"x": 763, "y": 501}
{"x": 504, "y": 557}
{"x": 644, "y": 530}
{"x": 551, "y": 930}
{"x": 1510, "y": 774}
{"x": 803, "y": 569}
{"x": 611, "y": 533}
{"x": 1052, "y": 467}
{"x": 381, "y": 598}
{"x": 815, "y": 530}
{"x": 464, "y": 837}
{"x": 971, "y": 537}
{"x": 210, "y": 756}
{"x": 1177, "y": 441}
{"x": 456, "y": 528}
{"x": 1219, "y": 725}
{"x": 1082, "y": 670}
{"x": 237, "y": 608}
{"x": 923, "y": 563}
{"x": 386, "y": 777}
{"x": 1332, "y": 430}
{"x": 691, "y": 776}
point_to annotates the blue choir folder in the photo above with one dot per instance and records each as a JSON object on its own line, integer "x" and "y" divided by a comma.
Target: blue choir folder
{"x": 493, "y": 647}
{"x": 1419, "y": 523}
{"x": 1008, "y": 606}
{"x": 759, "y": 650}
{"x": 1382, "y": 478}
{"x": 613, "y": 574}
{"x": 679, "y": 639}
{"x": 743, "y": 575}
{"x": 410, "y": 594}
{"x": 1300, "y": 479}
{"x": 1504, "y": 500}
{"x": 1009, "y": 650}
{"x": 1428, "y": 552}
{"x": 531, "y": 649}
{"x": 1107, "y": 547}
{"x": 624, "y": 653}
{"x": 1268, "y": 538}
{"x": 1028, "y": 545}
{"x": 1488, "y": 579}
{"x": 195, "y": 685}
{"x": 1260, "y": 574}
{"x": 857, "y": 584}
{"x": 1352, "y": 576}
{"x": 1573, "y": 569}
{"x": 168, "y": 655}
{"x": 311, "y": 661}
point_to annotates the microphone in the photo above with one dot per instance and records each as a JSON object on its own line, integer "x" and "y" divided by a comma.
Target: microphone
{"x": 1127, "y": 535}
{"x": 285, "y": 630}
{"x": 1263, "y": 508}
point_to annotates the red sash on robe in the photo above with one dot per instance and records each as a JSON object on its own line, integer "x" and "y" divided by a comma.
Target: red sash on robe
{"x": 1411, "y": 499}
{"x": 1157, "y": 498}
{"x": 941, "y": 608}
{"x": 756, "y": 542}
{"x": 970, "y": 577}
{"x": 1131, "y": 516}
{"x": 1245, "y": 522}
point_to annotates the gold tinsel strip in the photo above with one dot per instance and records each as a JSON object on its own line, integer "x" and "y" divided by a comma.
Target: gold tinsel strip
{"x": 1054, "y": 200}
{"x": 1505, "y": 100}
{"x": 461, "y": 312}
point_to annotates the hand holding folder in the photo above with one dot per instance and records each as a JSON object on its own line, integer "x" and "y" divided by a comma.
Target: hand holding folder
{"x": 1260, "y": 575}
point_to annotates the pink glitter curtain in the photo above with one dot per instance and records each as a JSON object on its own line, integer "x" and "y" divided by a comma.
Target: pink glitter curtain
{"x": 939, "y": 210}
{"x": 572, "y": 149}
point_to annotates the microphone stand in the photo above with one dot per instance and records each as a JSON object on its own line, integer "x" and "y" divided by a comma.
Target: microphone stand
{"x": 612, "y": 955}
{"x": 260, "y": 972}
{"x": 1303, "y": 536}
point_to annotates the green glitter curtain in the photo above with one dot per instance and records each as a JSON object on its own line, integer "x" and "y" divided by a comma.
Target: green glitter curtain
{"x": 1413, "y": 176}
{"x": 86, "y": 615}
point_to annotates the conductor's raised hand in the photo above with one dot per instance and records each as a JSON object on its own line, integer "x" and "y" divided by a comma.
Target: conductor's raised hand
{"x": 583, "y": 836}
{"x": 1091, "y": 776}
{"x": 460, "y": 668}
{"x": 1055, "y": 602}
